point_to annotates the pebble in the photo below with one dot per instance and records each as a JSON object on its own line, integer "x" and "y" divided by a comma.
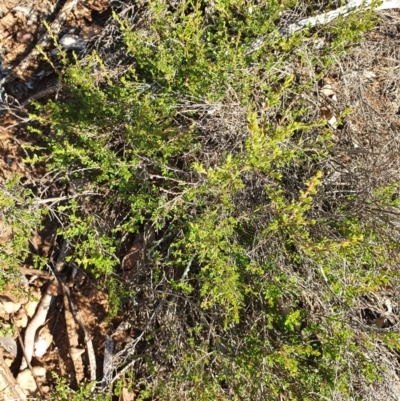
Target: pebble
{"x": 72, "y": 42}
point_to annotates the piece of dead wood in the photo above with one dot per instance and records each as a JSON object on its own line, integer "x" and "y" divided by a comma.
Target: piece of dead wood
{"x": 37, "y": 321}
{"x": 107, "y": 362}
{"x": 38, "y": 386}
{"x": 34, "y": 272}
{"x": 72, "y": 336}
{"x": 41, "y": 94}
{"x": 63, "y": 198}
{"x": 88, "y": 341}
{"x": 9, "y": 388}
{"x": 324, "y": 18}
{"x": 65, "y": 248}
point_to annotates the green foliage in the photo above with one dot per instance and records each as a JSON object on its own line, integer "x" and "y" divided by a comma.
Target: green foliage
{"x": 93, "y": 248}
{"x": 63, "y": 393}
{"x": 245, "y": 260}
{"x": 20, "y": 217}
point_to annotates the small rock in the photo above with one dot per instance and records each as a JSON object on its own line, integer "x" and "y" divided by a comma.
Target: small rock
{"x": 27, "y": 382}
{"x": 9, "y": 344}
{"x": 76, "y": 353}
{"x": 21, "y": 318}
{"x": 46, "y": 389}
{"x": 24, "y": 37}
{"x": 72, "y": 42}
{"x": 98, "y": 5}
{"x": 40, "y": 347}
{"x": 8, "y": 361}
{"x": 26, "y": 10}
{"x": 30, "y": 307}
{"x": 8, "y": 305}
{"x": 7, "y": 22}
{"x": 39, "y": 371}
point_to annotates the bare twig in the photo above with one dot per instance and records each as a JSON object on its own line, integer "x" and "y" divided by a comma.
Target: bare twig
{"x": 65, "y": 248}
{"x": 37, "y": 321}
{"x": 132, "y": 345}
{"x": 72, "y": 336}
{"x": 63, "y": 198}
{"x": 88, "y": 341}
{"x": 323, "y": 19}
{"x": 107, "y": 363}
{"x": 41, "y": 94}
{"x": 34, "y": 272}
{"x": 28, "y": 361}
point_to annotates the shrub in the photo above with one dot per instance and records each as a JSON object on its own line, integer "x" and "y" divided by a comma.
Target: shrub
{"x": 215, "y": 147}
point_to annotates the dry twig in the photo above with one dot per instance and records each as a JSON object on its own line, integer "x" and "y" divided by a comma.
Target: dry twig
{"x": 37, "y": 321}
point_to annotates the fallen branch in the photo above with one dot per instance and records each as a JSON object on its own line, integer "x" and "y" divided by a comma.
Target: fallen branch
{"x": 63, "y": 198}
{"x": 41, "y": 94}
{"x": 37, "y": 321}
{"x": 39, "y": 387}
{"x": 107, "y": 362}
{"x": 42, "y": 310}
{"x": 88, "y": 341}
{"x": 72, "y": 335}
{"x": 34, "y": 272}
{"x": 323, "y": 19}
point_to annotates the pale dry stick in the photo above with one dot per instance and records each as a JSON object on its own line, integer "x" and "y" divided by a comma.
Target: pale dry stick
{"x": 323, "y": 19}
{"x": 42, "y": 310}
{"x": 88, "y": 341}
{"x": 41, "y": 94}
{"x": 28, "y": 363}
{"x": 180, "y": 182}
{"x": 63, "y": 198}
{"x": 34, "y": 272}
{"x": 37, "y": 321}
{"x": 132, "y": 345}
{"x": 44, "y": 40}
{"x": 72, "y": 338}
{"x": 107, "y": 362}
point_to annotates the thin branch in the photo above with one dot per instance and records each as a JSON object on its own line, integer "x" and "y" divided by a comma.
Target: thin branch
{"x": 21, "y": 343}
{"x": 63, "y": 198}
{"x": 323, "y": 19}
